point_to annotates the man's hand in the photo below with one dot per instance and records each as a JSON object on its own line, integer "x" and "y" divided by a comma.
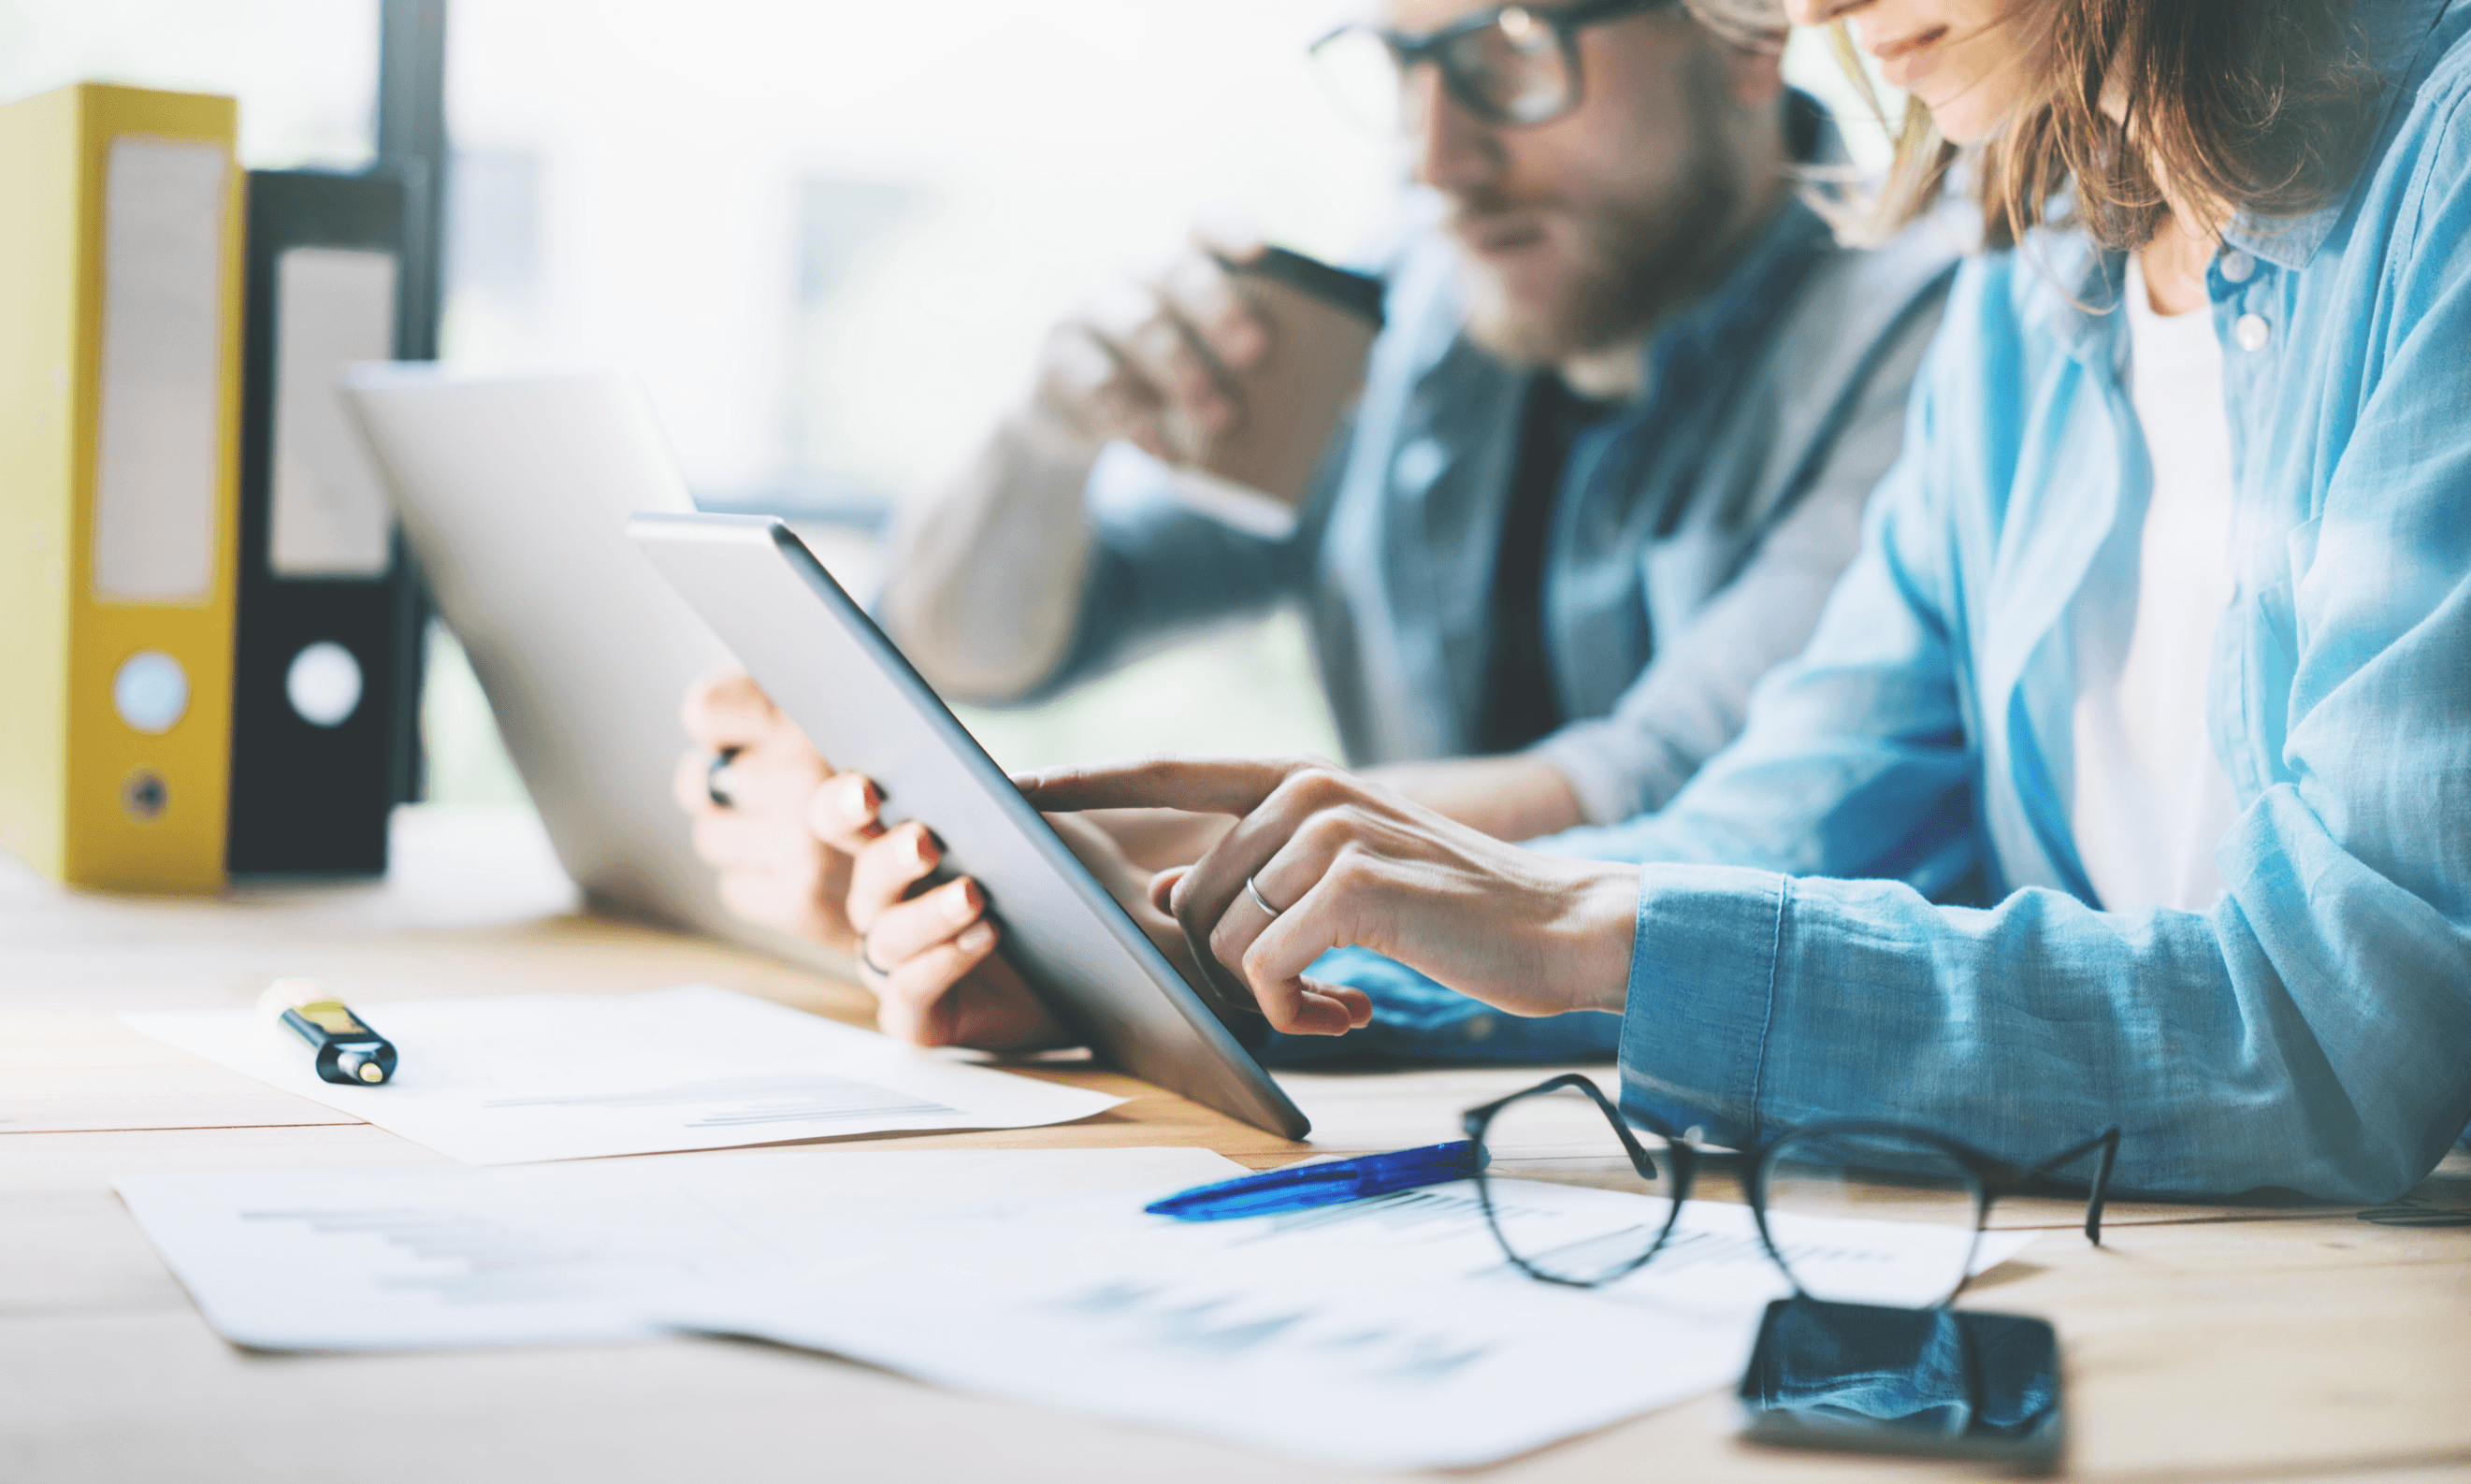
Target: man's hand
{"x": 1152, "y": 359}
{"x": 774, "y": 869}
{"x": 1345, "y": 862}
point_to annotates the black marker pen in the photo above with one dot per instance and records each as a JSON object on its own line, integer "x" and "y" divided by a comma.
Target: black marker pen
{"x": 348, "y": 1051}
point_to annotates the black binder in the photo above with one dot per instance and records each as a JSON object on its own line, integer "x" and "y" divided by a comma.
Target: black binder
{"x": 325, "y": 691}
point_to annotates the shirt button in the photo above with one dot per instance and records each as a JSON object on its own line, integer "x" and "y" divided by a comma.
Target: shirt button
{"x": 1477, "y": 1028}
{"x": 1419, "y": 465}
{"x": 2236, "y": 267}
{"x": 2252, "y": 332}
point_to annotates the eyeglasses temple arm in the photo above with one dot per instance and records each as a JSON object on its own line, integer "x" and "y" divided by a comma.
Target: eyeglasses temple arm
{"x": 2108, "y": 1141}
{"x": 1415, "y": 47}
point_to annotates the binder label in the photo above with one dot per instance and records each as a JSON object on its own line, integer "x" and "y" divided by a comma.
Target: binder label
{"x": 159, "y": 456}
{"x": 329, "y": 518}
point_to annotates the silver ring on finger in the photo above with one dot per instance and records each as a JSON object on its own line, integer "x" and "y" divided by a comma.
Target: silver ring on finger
{"x": 1252, "y": 889}
{"x": 866, "y": 956}
{"x": 715, "y": 787}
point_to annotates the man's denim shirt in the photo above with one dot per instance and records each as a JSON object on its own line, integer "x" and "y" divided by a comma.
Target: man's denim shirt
{"x": 1693, "y": 541}
{"x": 2312, "y": 1030}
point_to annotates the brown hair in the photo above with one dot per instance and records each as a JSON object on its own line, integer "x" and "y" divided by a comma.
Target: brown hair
{"x": 2239, "y": 105}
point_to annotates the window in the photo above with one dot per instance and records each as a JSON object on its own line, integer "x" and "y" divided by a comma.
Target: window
{"x": 828, "y": 237}
{"x": 305, "y": 70}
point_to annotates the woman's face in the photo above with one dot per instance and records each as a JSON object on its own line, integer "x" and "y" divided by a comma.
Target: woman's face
{"x": 1964, "y": 59}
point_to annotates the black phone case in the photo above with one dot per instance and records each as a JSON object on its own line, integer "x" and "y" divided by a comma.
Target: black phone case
{"x": 1926, "y": 1383}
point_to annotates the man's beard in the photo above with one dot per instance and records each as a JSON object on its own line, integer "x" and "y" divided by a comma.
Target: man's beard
{"x": 1636, "y": 262}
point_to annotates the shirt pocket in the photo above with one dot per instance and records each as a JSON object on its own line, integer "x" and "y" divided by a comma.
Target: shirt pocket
{"x": 2266, "y": 627}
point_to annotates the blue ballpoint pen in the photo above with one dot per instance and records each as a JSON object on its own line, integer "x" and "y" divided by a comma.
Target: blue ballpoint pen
{"x": 1326, "y": 1183}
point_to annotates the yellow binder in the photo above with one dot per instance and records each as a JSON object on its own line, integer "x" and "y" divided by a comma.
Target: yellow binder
{"x": 120, "y": 354}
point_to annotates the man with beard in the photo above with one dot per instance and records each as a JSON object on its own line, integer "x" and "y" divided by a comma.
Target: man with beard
{"x": 1613, "y": 450}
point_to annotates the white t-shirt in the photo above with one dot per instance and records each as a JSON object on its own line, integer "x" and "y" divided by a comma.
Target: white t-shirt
{"x": 2151, "y": 799}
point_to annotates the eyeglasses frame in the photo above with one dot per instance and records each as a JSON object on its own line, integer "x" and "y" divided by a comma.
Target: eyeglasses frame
{"x": 1992, "y": 1176}
{"x": 1564, "y": 21}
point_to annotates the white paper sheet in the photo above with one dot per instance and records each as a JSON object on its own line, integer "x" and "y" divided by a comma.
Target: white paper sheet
{"x": 397, "y": 1259}
{"x": 1386, "y": 1333}
{"x": 520, "y": 1078}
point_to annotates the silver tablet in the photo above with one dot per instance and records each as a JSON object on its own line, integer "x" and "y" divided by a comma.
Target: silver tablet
{"x": 829, "y": 668}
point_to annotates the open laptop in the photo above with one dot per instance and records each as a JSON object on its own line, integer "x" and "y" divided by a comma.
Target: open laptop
{"x": 514, "y": 492}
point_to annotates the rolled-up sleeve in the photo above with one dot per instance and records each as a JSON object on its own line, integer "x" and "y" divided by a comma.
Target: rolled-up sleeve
{"x": 1160, "y": 567}
{"x": 1053, "y": 564}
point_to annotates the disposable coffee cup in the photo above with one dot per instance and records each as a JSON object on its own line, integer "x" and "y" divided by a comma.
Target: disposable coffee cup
{"x": 1322, "y": 321}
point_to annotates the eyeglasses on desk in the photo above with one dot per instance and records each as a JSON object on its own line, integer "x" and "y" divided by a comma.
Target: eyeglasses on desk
{"x": 1865, "y": 1170}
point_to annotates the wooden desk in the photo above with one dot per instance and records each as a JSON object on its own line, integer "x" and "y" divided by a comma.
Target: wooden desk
{"x": 2203, "y": 1343}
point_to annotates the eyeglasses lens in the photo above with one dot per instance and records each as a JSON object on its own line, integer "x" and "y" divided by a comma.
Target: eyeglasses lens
{"x": 1873, "y": 1177}
{"x": 1512, "y": 71}
{"x": 1562, "y": 1138}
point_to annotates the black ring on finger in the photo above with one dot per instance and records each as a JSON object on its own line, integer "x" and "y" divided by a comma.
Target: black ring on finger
{"x": 867, "y": 957}
{"x": 721, "y": 758}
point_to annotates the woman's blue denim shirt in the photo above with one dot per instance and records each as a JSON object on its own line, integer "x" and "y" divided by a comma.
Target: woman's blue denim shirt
{"x": 2312, "y": 1030}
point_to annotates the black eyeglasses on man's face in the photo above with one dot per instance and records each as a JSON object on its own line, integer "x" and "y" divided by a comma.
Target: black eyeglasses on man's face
{"x": 1511, "y": 65}
{"x": 1565, "y": 1129}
